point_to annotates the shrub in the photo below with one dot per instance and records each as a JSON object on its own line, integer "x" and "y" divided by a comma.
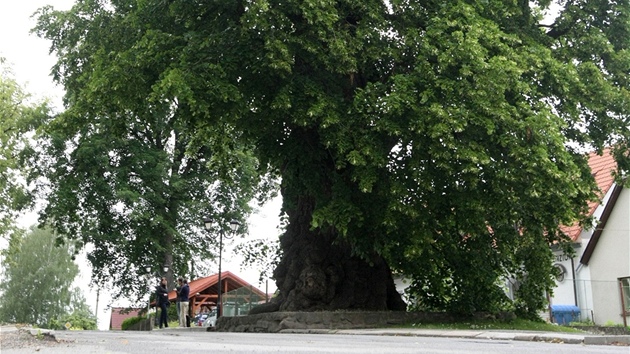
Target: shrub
{"x": 130, "y": 322}
{"x": 172, "y": 312}
{"x": 79, "y": 320}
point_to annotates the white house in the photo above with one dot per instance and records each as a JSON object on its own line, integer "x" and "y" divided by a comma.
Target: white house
{"x": 597, "y": 278}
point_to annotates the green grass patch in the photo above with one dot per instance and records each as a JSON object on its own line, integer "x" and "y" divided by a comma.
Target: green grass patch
{"x": 517, "y": 324}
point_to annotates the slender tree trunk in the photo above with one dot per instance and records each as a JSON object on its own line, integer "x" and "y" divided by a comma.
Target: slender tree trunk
{"x": 168, "y": 260}
{"x": 171, "y": 214}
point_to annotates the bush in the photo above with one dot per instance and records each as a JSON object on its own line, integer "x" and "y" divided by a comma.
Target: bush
{"x": 172, "y": 312}
{"x": 79, "y": 320}
{"x": 130, "y": 322}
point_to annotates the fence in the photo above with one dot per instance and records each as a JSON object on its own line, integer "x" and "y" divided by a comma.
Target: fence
{"x": 240, "y": 301}
{"x": 600, "y": 302}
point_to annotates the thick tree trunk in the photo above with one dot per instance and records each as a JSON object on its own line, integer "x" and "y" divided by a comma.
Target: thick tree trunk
{"x": 317, "y": 270}
{"x": 317, "y": 273}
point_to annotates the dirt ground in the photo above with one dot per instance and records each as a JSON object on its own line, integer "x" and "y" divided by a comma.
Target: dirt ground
{"x": 22, "y": 338}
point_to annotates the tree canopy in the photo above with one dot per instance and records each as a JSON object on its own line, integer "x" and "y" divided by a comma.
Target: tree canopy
{"x": 38, "y": 276}
{"x": 80, "y": 317}
{"x": 132, "y": 168}
{"x": 443, "y": 140}
{"x": 19, "y": 113}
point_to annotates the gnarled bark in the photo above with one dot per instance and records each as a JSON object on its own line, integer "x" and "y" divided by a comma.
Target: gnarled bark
{"x": 317, "y": 273}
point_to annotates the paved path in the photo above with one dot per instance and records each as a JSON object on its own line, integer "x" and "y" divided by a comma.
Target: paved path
{"x": 532, "y": 336}
{"x": 555, "y": 337}
{"x": 199, "y": 342}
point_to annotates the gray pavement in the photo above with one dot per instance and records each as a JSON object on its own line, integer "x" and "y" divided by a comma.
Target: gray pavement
{"x": 531, "y": 336}
{"x": 504, "y": 335}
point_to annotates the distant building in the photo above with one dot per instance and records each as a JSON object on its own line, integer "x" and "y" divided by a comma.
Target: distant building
{"x": 597, "y": 279}
{"x": 238, "y": 296}
{"x": 119, "y": 314}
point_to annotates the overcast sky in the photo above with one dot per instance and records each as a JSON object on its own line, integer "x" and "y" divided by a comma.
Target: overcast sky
{"x": 27, "y": 56}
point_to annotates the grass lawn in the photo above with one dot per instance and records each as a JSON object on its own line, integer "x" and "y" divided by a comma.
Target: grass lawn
{"x": 517, "y": 324}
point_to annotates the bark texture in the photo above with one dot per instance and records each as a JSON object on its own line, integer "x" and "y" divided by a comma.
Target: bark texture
{"x": 316, "y": 273}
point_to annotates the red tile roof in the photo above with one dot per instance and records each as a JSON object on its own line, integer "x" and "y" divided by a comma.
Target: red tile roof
{"x": 208, "y": 285}
{"x": 602, "y": 168}
{"x": 204, "y": 291}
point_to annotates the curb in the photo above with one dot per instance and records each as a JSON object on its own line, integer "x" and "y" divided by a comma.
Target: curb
{"x": 524, "y": 337}
{"x": 549, "y": 337}
{"x": 607, "y": 340}
{"x": 182, "y": 329}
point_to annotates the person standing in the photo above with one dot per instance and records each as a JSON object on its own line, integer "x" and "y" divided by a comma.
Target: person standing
{"x": 162, "y": 300}
{"x": 184, "y": 291}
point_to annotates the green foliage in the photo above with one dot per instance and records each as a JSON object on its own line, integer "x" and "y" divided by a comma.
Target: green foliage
{"x": 445, "y": 137}
{"x": 135, "y": 163}
{"x": 586, "y": 322}
{"x": 262, "y": 254}
{"x": 78, "y": 319}
{"x": 130, "y": 322}
{"x": 517, "y": 324}
{"x": 172, "y": 314}
{"x": 18, "y": 114}
{"x": 37, "y": 268}
{"x": 612, "y": 324}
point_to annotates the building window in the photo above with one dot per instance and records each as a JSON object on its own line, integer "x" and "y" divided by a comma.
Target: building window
{"x": 560, "y": 272}
{"x": 624, "y": 284}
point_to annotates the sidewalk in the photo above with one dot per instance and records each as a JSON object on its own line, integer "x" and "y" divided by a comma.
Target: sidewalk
{"x": 535, "y": 336}
{"x": 532, "y": 336}
{"x": 184, "y": 329}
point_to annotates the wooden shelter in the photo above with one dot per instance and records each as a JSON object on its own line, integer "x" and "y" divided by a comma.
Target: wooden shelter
{"x": 204, "y": 291}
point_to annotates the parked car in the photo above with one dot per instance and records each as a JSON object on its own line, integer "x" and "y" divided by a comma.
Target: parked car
{"x": 208, "y": 319}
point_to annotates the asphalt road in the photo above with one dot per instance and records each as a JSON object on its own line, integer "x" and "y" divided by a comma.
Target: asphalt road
{"x": 116, "y": 342}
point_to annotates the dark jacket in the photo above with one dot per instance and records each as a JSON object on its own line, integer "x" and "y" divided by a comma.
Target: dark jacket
{"x": 184, "y": 292}
{"x": 162, "y": 294}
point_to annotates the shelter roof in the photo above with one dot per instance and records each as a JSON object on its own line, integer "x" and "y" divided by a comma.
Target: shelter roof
{"x": 208, "y": 285}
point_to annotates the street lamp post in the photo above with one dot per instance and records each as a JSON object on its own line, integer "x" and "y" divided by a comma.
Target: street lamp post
{"x": 234, "y": 224}
{"x": 148, "y": 269}
{"x": 165, "y": 268}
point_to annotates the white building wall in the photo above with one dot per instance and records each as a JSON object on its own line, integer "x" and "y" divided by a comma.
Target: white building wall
{"x": 563, "y": 294}
{"x": 610, "y": 261}
{"x": 584, "y": 292}
{"x": 578, "y": 279}
{"x": 576, "y": 284}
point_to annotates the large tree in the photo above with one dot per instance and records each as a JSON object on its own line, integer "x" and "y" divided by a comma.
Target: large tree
{"x": 37, "y": 279}
{"x": 439, "y": 139}
{"x": 131, "y": 168}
